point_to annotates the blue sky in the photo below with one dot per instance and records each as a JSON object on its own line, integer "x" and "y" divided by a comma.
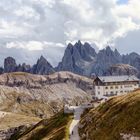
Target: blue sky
{"x": 122, "y": 1}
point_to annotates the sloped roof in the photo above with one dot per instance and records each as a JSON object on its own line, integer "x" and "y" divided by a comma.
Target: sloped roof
{"x": 118, "y": 78}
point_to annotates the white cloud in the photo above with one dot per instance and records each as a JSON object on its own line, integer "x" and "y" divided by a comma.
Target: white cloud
{"x": 27, "y": 13}
{"x": 38, "y": 25}
{"x": 11, "y": 29}
{"x": 31, "y": 45}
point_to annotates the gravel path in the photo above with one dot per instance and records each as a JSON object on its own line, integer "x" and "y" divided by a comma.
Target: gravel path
{"x": 74, "y": 135}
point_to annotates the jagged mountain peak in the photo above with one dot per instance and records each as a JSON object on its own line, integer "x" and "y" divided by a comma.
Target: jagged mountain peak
{"x": 70, "y": 45}
{"x": 116, "y": 51}
{"x": 42, "y": 57}
{"x": 77, "y": 58}
{"x": 78, "y": 44}
{"x": 108, "y": 48}
{"x": 86, "y": 44}
{"x": 42, "y": 67}
{"x": 80, "y": 58}
{"x": 43, "y": 60}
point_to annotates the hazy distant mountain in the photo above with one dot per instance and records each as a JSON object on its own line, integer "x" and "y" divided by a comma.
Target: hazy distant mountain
{"x": 42, "y": 67}
{"x": 89, "y": 62}
{"x": 80, "y": 59}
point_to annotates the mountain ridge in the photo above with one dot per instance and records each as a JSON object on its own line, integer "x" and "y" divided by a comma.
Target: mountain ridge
{"x": 79, "y": 58}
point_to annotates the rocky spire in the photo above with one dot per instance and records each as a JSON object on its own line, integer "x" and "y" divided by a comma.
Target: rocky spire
{"x": 76, "y": 56}
{"x": 10, "y": 64}
{"x": 42, "y": 67}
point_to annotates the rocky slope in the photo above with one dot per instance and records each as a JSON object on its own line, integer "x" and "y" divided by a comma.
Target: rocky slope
{"x": 117, "y": 119}
{"x": 122, "y": 69}
{"x": 42, "y": 96}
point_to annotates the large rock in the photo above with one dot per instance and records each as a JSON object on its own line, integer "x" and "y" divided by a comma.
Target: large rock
{"x": 10, "y": 65}
{"x": 42, "y": 67}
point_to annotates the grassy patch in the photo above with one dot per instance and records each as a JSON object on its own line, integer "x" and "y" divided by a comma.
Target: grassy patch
{"x": 118, "y": 115}
{"x": 11, "y": 120}
{"x": 56, "y": 128}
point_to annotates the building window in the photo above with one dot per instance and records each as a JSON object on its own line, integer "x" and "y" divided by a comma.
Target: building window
{"x": 99, "y": 93}
{"x": 116, "y": 87}
{"x": 98, "y": 87}
{"x": 111, "y": 92}
{"x": 111, "y": 87}
{"x": 106, "y": 87}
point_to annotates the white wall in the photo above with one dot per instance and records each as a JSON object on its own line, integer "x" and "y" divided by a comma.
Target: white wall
{"x": 101, "y": 91}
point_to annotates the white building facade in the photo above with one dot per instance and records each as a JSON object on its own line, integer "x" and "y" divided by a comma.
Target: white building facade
{"x": 106, "y": 86}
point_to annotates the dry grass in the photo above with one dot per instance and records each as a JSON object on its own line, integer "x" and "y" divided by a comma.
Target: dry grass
{"x": 55, "y": 128}
{"x": 118, "y": 115}
{"x": 11, "y": 120}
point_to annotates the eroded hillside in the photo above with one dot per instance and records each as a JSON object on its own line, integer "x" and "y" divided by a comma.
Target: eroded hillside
{"x": 42, "y": 96}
